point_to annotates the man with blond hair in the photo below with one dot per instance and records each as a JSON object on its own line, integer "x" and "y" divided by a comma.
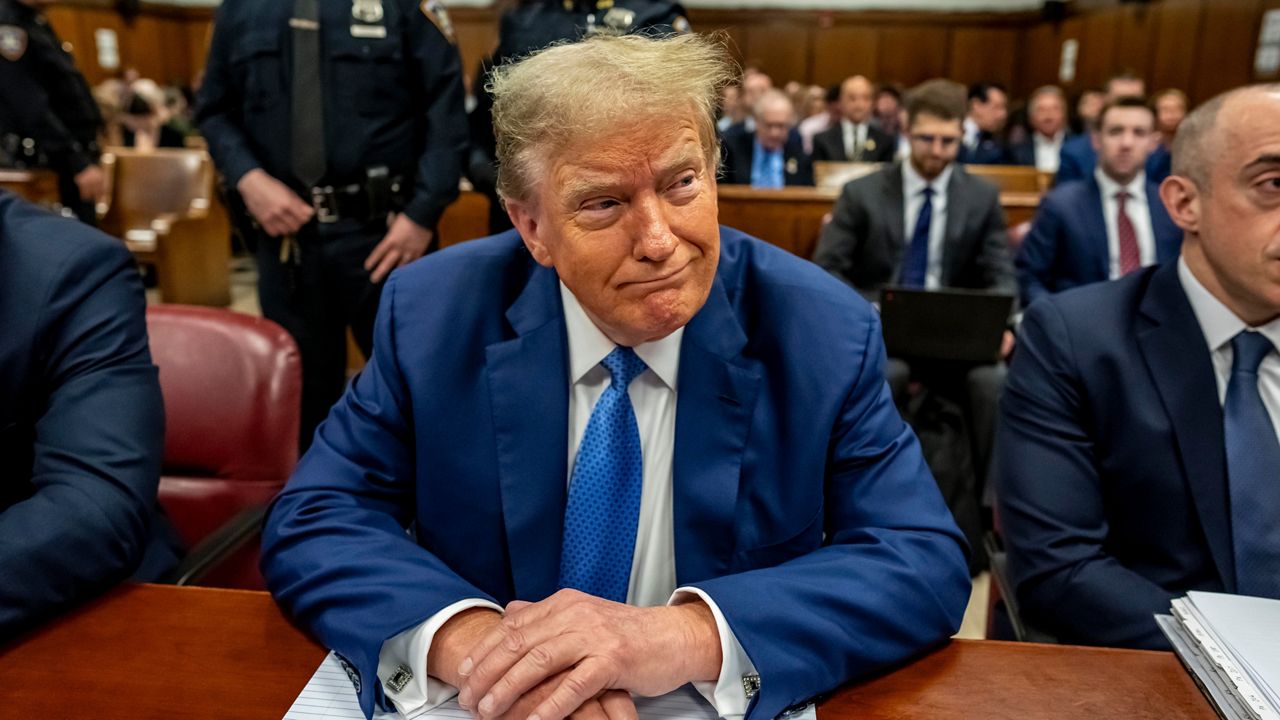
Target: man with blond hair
{"x": 636, "y": 450}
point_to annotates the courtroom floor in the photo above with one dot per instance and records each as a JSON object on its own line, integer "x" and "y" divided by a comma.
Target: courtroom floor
{"x": 244, "y": 298}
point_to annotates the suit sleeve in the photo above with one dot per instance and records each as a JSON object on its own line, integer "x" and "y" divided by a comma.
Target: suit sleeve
{"x": 890, "y": 580}
{"x": 336, "y": 552}
{"x": 994, "y": 257}
{"x": 1051, "y": 502}
{"x": 838, "y": 244}
{"x": 218, "y": 106}
{"x": 1039, "y": 253}
{"x": 439, "y": 167}
{"x": 97, "y": 448}
{"x": 1069, "y": 167}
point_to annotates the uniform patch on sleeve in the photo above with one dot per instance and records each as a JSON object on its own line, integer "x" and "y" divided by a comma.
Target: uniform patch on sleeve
{"x": 681, "y": 25}
{"x": 13, "y": 42}
{"x": 435, "y": 12}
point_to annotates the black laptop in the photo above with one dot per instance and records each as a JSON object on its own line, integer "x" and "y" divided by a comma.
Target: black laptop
{"x": 956, "y": 325}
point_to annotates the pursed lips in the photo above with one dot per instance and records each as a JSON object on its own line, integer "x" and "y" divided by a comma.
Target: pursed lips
{"x": 656, "y": 280}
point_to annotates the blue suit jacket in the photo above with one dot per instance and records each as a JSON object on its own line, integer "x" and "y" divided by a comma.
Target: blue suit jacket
{"x": 1067, "y": 244}
{"x": 1113, "y": 489}
{"x": 81, "y": 418}
{"x": 1078, "y": 159}
{"x": 801, "y": 502}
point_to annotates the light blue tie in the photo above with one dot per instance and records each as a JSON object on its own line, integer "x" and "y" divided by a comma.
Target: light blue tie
{"x": 604, "y": 491}
{"x": 1253, "y": 469}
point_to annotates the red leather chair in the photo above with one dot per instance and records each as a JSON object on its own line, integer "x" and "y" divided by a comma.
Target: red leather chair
{"x": 232, "y": 388}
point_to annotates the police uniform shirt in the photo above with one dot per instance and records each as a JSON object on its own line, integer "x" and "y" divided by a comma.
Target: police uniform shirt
{"x": 535, "y": 25}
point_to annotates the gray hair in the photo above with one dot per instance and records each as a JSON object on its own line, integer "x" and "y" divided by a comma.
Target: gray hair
{"x": 566, "y": 92}
{"x": 773, "y": 96}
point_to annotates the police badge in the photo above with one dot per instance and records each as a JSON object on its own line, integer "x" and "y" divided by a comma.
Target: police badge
{"x": 367, "y": 11}
{"x": 619, "y": 20}
{"x": 13, "y": 42}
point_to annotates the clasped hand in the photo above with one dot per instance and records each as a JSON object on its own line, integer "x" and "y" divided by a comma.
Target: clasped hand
{"x": 578, "y": 655}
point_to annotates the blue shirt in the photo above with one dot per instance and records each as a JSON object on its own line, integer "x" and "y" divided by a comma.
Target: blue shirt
{"x": 766, "y": 167}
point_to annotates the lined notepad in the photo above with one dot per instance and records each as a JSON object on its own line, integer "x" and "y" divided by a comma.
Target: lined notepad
{"x": 330, "y": 696}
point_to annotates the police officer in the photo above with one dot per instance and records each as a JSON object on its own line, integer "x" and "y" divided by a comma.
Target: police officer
{"x": 56, "y": 111}
{"x": 535, "y": 24}
{"x": 326, "y": 116}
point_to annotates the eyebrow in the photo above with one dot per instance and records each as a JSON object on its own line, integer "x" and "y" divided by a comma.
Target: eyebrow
{"x": 1272, "y": 159}
{"x": 588, "y": 183}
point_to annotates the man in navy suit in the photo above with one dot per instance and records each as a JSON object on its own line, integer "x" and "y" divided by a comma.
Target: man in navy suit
{"x": 81, "y": 419}
{"x": 1078, "y": 154}
{"x": 987, "y": 113}
{"x": 623, "y": 398}
{"x": 1106, "y": 226}
{"x": 1140, "y": 430}
{"x": 771, "y": 153}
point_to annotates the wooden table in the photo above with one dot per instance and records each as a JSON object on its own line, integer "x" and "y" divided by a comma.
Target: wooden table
{"x": 38, "y": 186}
{"x": 152, "y": 651}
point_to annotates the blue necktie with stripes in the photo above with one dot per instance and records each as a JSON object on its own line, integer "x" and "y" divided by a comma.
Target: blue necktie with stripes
{"x": 1253, "y": 469}
{"x": 603, "y": 511}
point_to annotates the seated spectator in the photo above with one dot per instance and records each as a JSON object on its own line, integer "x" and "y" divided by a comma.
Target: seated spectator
{"x": 773, "y": 526}
{"x": 1047, "y": 115}
{"x": 1106, "y": 226}
{"x": 771, "y": 155}
{"x": 926, "y": 223}
{"x": 1170, "y": 107}
{"x": 145, "y": 119}
{"x": 1139, "y": 429}
{"x": 1079, "y": 159}
{"x": 754, "y": 85}
{"x": 811, "y": 126}
{"x": 815, "y": 102}
{"x": 854, "y": 138}
{"x": 1088, "y": 104}
{"x": 733, "y": 108}
{"x": 887, "y": 112}
{"x": 81, "y": 420}
{"x": 988, "y": 111}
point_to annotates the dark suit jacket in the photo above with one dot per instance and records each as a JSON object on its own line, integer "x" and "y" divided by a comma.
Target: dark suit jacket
{"x": 1078, "y": 159}
{"x": 1112, "y": 486}
{"x": 864, "y": 242}
{"x": 1024, "y": 153}
{"x": 81, "y": 418}
{"x": 828, "y": 146}
{"x": 1067, "y": 244}
{"x": 802, "y": 503}
{"x": 738, "y": 148}
{"x": 989, "y": 151}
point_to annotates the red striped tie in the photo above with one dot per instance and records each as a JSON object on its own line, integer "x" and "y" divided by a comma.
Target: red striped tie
{"x": 1130, "y": 256}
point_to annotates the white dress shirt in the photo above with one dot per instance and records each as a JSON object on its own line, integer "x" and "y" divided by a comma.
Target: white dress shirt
{"x": 854, "y": 135}
{"x": 1139, "y": 213}
{"x": 811, "y": 126}
{"x": 971, "y": 133}
{"x": 1048, "y": 151}
{"x": 653, "y": 565}
{"x": 1219, "y": 326}
{"x": 913, "y": 186}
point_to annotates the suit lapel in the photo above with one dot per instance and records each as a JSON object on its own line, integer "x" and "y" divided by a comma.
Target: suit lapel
{"x": 1173, "y": 347}
{"x": 529, "y": 394}
{"x": 957, "y": 209}
{"x": 1098, "y": 249}
{"x": 716, "y": 397}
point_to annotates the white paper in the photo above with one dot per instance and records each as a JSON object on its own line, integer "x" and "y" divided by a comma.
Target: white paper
{"x": 330, "y": 696}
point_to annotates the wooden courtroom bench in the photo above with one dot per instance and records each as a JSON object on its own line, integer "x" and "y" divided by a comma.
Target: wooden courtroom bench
{"x": 37, "y": 185}
{"x": 164, "y": 206}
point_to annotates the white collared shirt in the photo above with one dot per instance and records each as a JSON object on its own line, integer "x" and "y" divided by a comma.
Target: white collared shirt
{"x": 653, "y": 566}
{"x": 971, "y": 133}
{"x": 1139, "y": 213}
{"x": 913, "y": 186}
{"x": 1048, "y": 151}
{"x": 1220, "y": 326}
{"x": 854, "y": 135}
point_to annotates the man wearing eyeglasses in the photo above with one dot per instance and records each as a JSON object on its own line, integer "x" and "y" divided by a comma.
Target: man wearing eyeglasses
{"x": 926, "y": 223}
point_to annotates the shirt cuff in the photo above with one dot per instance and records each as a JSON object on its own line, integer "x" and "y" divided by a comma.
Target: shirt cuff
{"x": 731, "y": 694}
{"x": 402, "y": 664}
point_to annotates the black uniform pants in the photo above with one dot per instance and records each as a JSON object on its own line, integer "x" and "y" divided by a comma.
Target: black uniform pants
{"x": 316, "y": 299}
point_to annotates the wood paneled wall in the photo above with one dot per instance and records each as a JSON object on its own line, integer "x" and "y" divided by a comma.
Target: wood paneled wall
{"x": 1201, "y": 46}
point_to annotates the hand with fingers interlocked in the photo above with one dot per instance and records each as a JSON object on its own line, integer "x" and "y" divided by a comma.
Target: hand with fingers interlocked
{"x": 573, "y": 655}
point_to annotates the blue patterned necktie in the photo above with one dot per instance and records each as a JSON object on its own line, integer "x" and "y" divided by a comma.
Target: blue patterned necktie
{"x": 603, "y": 513}
{"x": 916, "y": 264}
{"x": 1253, "y": 469}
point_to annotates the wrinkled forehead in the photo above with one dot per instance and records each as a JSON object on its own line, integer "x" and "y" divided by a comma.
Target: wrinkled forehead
{"x": 1246, "y": 135}
{"x": 632, "y": 152}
